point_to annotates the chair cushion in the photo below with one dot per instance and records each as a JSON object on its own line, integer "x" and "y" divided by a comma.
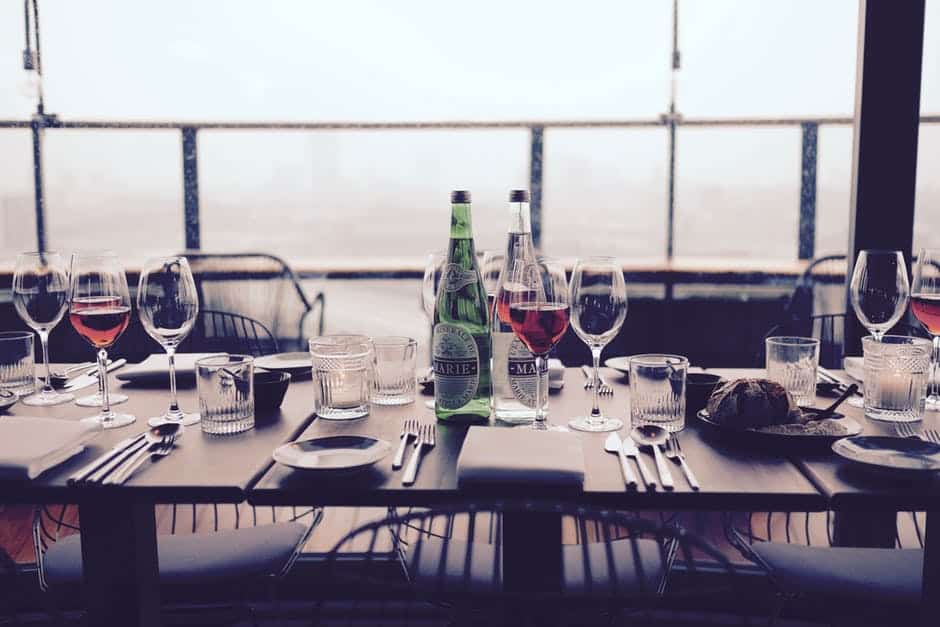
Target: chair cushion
{"x": 196, "y": 558}
{"x": 441, "y": 566}
{"x": 870, "y": 575}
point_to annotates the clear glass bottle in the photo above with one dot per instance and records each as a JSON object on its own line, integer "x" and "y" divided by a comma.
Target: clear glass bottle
{"x": 461, "y": 340}
{"x": 514, "y": 375}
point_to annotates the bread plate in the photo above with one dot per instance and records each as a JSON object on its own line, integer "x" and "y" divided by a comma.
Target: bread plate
{"x": 337, "y": 453}
{"x": 815, "y": 431}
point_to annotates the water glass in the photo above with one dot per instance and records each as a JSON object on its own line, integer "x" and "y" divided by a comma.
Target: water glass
{"x": 896, "y": 373}
{"x": 17, "y": 365}
{"x": 657, "y": 391}
{"x": 226, "y": 393}
{"x": 792, "y": 362}
{"x": 342, "y": 374}
{"x": 394, "y": 380}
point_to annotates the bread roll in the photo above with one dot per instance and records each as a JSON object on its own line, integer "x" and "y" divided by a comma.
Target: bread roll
{"x": 746, "y": 403}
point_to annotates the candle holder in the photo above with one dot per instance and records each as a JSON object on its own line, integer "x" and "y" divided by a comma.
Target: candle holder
{"x": 896, "y": 374}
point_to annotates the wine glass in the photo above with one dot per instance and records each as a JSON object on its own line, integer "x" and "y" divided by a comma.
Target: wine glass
{"x": 925, "y": 305}
{"x": 879, "y": 292}
{"x": 491, "y": 264}
{"x": 538, "y": 315}
{"x": 598, "y": 309}
{"x": 167, "y": 304}
{"x": 40, "y": 296}
{"x": 100, "y": 310}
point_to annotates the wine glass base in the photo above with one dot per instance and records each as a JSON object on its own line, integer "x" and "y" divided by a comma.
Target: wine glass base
{"x": 544, "y": 426}
{"x": 44, "y": 399}
{"x": 94, "y": 400}
{"x": 595, "y": 425}
{"x": 119, "y": 420}
{"x": 932, "y": 403}
{"x": 187, "y": 420}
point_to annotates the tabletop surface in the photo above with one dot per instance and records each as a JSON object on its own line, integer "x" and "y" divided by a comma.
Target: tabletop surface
{"x": 732, "y": 476}
{"x": 202, "y": 468}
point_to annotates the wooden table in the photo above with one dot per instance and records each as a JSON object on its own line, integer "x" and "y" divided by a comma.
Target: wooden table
{"x": 117, "y": 523}
{"x": 731, "y": 478}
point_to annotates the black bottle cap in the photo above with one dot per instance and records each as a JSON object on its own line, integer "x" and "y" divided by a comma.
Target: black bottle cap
{"x": 460, "y": 196}
{"x": 519, "y": 195}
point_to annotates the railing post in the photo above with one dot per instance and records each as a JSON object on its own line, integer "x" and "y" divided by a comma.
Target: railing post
{"x": 190, "y": 189}
{"x": 807, "y": 232}
{"x": 36, "y": 125}
{"x": 535, "y": 183}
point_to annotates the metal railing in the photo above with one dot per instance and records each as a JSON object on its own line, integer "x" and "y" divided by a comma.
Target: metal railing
{"x": 189, "y": 131}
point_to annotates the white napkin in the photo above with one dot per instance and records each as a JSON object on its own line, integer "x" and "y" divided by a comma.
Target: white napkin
{"x": 502, "y": 454}
{"x": 30, "y": 446}
{"x": 854, "y": 367}
{"x": 556, "y": 374}
{"x": 157, "y": 367}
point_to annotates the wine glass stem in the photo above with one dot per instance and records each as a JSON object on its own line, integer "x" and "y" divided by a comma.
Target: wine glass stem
{"x": 103, "y": 378}
{"x": 935, "y": 368}
{"x": 44, "y": 340}
{"x": 596, "y": 409}
{"x": 539, "y": 404}
{"x": 174, "y": 405}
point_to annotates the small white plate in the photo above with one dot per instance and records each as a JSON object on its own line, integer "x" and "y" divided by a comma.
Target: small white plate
{"x": 286, "y": 362}
{"x": 8, "y": 398}
{"x": 620, "y": 364}
{"x": 333, "y": 453}
{"x": 908, "y": 454}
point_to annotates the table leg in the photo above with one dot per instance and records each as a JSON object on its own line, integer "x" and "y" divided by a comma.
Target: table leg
{"x": 531, "y": 552}
{"x": 930, "y": 586}
{"x": 119, "y": 557}
{"x": 865, "y": 529}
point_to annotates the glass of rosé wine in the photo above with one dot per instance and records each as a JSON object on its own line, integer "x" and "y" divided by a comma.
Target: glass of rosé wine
{"x": 925, "y": 305}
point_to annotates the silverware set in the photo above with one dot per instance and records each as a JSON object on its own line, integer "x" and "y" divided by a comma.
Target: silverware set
{"x": 87, "y": 378}
{"x": 907, "y": 430}
{"x": 603, "y": 388}
{"x": 424, "y": 438}
{"x": 668, "y": 446}
{"x": 840, "y": 386}
{"x": 127, "y": 456}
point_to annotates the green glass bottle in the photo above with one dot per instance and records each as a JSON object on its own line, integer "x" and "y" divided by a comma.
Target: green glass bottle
{"x": 461, "y": 339}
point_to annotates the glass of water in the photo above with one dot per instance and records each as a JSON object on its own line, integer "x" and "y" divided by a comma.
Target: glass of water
{"x": 896, "y": 373}
{"x": 657, "y": 391}
{"x": 394, "y": 379}
{"x": 792, "y": 362}
{"x": 226, "y": 393}
{"x": 17, "y": 365}
{"x": 342, "y": 374}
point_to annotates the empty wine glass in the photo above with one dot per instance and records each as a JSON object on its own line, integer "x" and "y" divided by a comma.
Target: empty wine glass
{"x": 491, "y": 263}
{"x": 879, "y": 292}
{"x": 925, "y": 305}
{"x": 167, "y": 304}
{"x": 539, "y": 316}
{"x": 40, "y": 296}
{"x": 100, "y": 310}
{"x": 598, "y": 309}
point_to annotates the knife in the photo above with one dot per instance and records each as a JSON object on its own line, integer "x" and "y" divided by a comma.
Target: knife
{"x": 630, "y": 450}
{"x": 121, "y": 447}
{"x": 87, "y": 379}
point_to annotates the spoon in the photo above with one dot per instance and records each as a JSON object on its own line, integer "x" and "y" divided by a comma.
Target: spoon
{"x": 654, "y": 436}
{"x": 822, "y": 414}
{"x": 614, "y": 445}
{"x": 152, "y": 436}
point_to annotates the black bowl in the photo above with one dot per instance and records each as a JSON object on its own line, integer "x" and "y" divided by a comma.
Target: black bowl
{"x": 698, "y": 388}
{"x": 270, "y": 388}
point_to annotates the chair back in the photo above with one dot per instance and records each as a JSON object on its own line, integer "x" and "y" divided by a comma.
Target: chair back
{"x": 224, "y": 332}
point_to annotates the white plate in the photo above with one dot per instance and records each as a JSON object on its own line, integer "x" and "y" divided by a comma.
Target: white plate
{"x": 287, "y": 362}
{"x": 333, "y": 453}
{"x": 156, "y": 368}
{"x": 620, "y": 364}
{"x": 910, "y": 454}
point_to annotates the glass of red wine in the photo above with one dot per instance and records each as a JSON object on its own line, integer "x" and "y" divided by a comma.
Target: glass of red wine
{"x": 539, "y": 311}
{"x": 100, "y": 310}
{"x": 925, "y": 305}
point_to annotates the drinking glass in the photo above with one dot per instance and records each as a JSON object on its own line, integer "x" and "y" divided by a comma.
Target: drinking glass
{"x": 433, "y": 267}
{"x": 17, "y": 364}
{"x": 539, "y": 315}
{"x": 225, "y": 384}
{"x": 342, "y": 374}
{"x": 100, "y": 310}
{"x": 657, "y": 391}
{"x": 792, "y": 362}
{"x": 598, "y": 309}
{"x": 394, "y": 380}
{"x": 896, "y": 370}
{"x": 167, "y": 304}
{"x": 40, "y": 296}
{"x": 925, "y": 305}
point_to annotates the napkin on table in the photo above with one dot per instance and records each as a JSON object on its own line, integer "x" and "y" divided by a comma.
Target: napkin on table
{"x": 556, "y": 374}
{"x": 502, "y": 454}
{"x": 31, "y": 446}
{"x": 157, "y": 367}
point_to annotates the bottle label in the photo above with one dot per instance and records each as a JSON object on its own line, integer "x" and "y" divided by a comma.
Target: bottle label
{"x": 456, "y": 366}
{"x": 522, "y": 374}
{"x": 455, "y": 277}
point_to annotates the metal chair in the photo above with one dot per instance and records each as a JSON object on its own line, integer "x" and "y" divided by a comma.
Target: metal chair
{"x": 224, "y": 332}
{"x": 818, "y": 289}
{"x": 259, "y": 286}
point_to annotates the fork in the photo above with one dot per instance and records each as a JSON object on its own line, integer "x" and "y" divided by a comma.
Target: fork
{"x": 426, "y": 438}
{"x": 588, "y": 378}
{"x": 932, "y": 435}
{"x": 906, "y": 430}
{"x": 157, "y": 450}
{"x": 604, "y": 389}
{"x": 674, "y": 452}
{"x": 409, "y": 429}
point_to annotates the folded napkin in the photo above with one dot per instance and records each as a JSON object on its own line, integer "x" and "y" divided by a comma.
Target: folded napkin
{"x": 31, "y": 446}
{"x": 854, "y": 367}
{"x": 157, "y": 368}
{"x": 501, "y": 454}
{"x": 556, "y": 374}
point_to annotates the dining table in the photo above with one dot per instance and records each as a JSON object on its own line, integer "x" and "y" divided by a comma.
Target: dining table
{"x": 119, "y": 536}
